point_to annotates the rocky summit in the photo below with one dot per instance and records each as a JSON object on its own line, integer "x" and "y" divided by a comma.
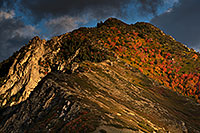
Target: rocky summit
{"x": 110, "y": 78}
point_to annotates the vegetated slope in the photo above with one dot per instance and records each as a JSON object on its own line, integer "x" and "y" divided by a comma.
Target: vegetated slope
{"x": 156, "y": 55}
{"x": 122, "y": 74}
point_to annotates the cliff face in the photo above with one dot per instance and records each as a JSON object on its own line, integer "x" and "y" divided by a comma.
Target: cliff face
{"x": 115, "y": 78}
{"x": 27, "y": 69}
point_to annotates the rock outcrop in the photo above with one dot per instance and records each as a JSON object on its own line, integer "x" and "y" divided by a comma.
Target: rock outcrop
{"x": 29, "y": 67}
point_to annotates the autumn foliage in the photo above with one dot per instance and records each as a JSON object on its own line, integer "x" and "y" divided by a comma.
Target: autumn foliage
{"x": 148, "y": 49}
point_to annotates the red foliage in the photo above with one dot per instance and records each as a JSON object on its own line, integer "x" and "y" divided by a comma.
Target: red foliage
{"x": 141, "y": 70}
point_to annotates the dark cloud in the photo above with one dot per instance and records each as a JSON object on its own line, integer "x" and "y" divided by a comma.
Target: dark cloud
{"x": 150, "y": 6}
{"x": 14, "y": 34}
{"x": 6, "y": 4}
{"x": 63, "y": 24}
{"x": 182, "y": 22}
{"x": 46, "y": 8}
{"x": 96, "y": 8}
{"x": 59, "y": 16}
{"x": 65, "y": 15}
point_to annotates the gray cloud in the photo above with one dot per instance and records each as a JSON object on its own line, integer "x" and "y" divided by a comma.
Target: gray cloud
{"x": 96, "y": 8}
{"x": 150, "y": 6}
{"x": 62, "y": 24}
{"x": 6, "y": 15}
{"x": 14, "y": 34}
{"x": 59, "y": 16}
{"x": 6, "y": 4}
{"x": 45, "y": 8}
{"x": 182, "y": 22}
{"x": 65, "y": 15}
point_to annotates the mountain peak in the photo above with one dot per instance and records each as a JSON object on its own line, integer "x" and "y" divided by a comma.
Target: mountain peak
{"x": 112, "y": 22}
{"x": 111, "y": 78}
{"x": 35, "y": 39}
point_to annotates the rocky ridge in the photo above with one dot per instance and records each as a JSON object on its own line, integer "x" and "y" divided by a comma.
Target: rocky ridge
{"x": 26, "y": 72}
{"x": 86, "y": 81}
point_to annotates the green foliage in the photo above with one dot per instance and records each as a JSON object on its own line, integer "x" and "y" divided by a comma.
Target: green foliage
{"x": 87, "y": 50}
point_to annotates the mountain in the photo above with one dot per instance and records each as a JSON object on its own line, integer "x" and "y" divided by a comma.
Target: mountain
{"x": 114, "y": 77}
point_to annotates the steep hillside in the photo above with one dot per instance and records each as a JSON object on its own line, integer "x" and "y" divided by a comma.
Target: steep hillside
{"x": 114, "y": 77}
{"x": 108, "y": 97}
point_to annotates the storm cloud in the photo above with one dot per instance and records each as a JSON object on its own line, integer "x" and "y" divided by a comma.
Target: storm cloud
{"x": 96, "y": 8}
{"x": 14, "y": 33}
{"x": 7, "y": 4}
{"x": 62, "y": 24}
{"x": 20, "y": 20}
{"x": 66, "y": 15}
{"x": 182, "y": 22}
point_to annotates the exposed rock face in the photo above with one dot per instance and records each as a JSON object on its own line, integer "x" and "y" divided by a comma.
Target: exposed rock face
{"x": 29, "y": 68}
{"x": 46, "y": 97}
{"x": 89, "y": 101}
{"x": 74, "y": 67}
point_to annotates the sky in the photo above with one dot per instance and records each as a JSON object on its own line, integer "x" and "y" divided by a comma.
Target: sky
{"x": 21, "y": 20}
